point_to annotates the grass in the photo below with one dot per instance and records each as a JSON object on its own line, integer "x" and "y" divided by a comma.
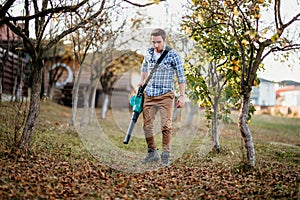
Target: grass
{"x": 277, "y": 129}
{"x": 65, "y": 168}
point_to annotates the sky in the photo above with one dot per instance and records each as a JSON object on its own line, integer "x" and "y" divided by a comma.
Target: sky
{"x": 274, "y": 70}
{"x": 278, "y": 71}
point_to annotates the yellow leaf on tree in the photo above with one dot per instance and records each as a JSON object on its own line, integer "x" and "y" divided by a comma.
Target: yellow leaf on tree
{"x": 257, "y": 16}
{"x": 235, "y": 61}
{"x": 200, "y": 18}
{"x": 255, "y": 83}
{"x": 235, "y": 11}
{"x": 235, "y": 68}
{"x": 188, "y": 30}
{"x": 260, "y": 1}
{"x": 275, "y": 37}
{"x": 245, "y": 42}
{"x": 154, "y": 1}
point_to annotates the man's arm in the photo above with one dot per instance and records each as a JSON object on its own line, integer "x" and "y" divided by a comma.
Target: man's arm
{"x": 143, "y": 78}
{"x": 181, "y": 99}
{"x": 182, "y": 89}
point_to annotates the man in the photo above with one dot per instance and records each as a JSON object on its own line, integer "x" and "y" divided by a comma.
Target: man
{"x": 159, "y": 94}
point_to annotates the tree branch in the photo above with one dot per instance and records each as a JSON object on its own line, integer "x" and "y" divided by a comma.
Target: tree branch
{"x": 21, "y": 34}
{"x": 141, "y": 5}
{"x": 297, "y": 17}
{"x": 70, "y": 30}
{"x": 5, "y": 8}
{"x": 278, "y": 21}
{"x": 286, "y": 48}
{"x": 43, "y": 13}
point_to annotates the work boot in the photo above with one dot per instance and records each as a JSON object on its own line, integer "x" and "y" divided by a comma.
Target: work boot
{"x": 165, "y": 158}
{"x": 152, "y": 156}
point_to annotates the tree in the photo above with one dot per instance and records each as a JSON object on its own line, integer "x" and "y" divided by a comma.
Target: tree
{"x": 104, "y": 35}
{"x": 211, "y": 88}
{"x": 81, "y": 14}
{"x": 232, "y": 30}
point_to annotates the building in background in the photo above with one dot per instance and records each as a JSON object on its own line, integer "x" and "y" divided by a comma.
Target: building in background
{"x": 14, "y": 66}
{"x": 264, "y": 94}
{"x": 282, "y": 98}
{"x": 288, "y": 99}
{"x": 288, "y": 96}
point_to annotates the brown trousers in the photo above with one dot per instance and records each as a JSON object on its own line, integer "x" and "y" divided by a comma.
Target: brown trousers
{"x": 164, "y": 104}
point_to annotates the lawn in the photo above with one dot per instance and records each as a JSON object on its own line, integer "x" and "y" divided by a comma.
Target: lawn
{"x": 91, "y": 162}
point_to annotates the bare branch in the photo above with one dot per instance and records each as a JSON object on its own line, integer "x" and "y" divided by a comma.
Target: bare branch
{"x": 278, "y": 21}
{"x": 141, "y": 5}
{"x": 20, "y": 33}
{"x": 5, "y": 8}
{"x": 297, "y": 17}
{"x": 63, "y": 9}
{"x": 282, "y": 49}
{"x": 70, "y": 30}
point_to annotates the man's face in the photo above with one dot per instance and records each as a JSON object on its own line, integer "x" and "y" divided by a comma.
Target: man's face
{"x": 157, "y": 43}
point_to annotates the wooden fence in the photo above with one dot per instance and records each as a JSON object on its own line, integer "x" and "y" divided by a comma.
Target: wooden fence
{"x": 13, "y": 74}
{"x": 285, "y": 111}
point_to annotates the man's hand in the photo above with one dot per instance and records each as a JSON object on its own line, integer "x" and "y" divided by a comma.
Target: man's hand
{"x": 180, "y": 101}
{"x": 140, "y": 84}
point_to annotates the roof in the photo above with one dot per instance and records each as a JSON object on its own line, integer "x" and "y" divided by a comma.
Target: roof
{"x": 265, "y": 80}
{"x": 288, "y": 88}
{"x": 288, "y": 83}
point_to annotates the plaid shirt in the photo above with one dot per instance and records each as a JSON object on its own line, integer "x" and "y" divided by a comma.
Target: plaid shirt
{"x": 163, "y": 79}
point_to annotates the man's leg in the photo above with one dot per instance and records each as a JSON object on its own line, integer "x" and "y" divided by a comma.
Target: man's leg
{"x": 149, "y": 112}
{"x": 166, "y": 110}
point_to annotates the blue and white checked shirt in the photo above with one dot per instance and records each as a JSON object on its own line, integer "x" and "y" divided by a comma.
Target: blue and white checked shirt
{"x": 162, "y": 80}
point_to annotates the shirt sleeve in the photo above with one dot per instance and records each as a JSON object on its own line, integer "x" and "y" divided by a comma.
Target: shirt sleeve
{"x": 144, "y": 67}
{"x": 179, "y": 68}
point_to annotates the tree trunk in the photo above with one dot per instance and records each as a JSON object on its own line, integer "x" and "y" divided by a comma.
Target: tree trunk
{"x": 0, "y": 86}
{"x": 86, "y": 94}
{"x": 75, "y": 97}
{"x": 92, "y": 112}
{"x": 34, "y": 107}
{"x": 104, "y": 106}
{"x": 215, "y": 125}
{"x": 244, "y": 129}
{"x": 50, "y": 92}
{"x": 19, "y": 92}
{"x": 13, "y": 96}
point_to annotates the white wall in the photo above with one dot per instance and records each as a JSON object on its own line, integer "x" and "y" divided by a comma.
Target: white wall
{"x": 267, "y": 94}
{"x": 291, "y": 98}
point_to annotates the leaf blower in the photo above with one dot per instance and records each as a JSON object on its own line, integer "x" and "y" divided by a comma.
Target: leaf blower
{"x": 136, "y": 103}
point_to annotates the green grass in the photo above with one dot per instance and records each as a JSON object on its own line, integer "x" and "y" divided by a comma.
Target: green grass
{"x": 276, "y": 129}
{"x": 53, "y": 130}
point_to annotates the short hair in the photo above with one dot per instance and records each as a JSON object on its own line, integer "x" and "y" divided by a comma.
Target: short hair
{"x": 159, "y": 32}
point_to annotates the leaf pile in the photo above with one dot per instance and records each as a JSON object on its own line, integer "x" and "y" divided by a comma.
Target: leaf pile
{"x": 54, "y": 176}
